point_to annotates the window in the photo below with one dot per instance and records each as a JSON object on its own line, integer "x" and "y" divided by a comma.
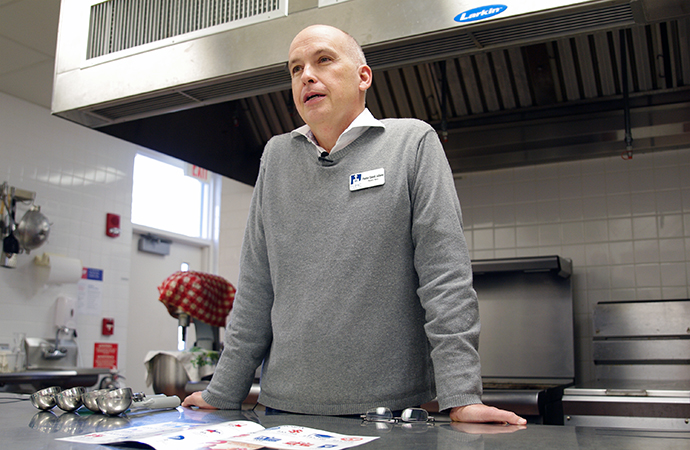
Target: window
{"x": 163, "y": 197}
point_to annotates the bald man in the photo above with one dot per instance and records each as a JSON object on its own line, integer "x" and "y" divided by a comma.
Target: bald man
{"x": 355, "y": 287}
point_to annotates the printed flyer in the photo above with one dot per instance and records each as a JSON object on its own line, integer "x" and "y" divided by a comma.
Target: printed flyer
{"x": 236, "y": 435}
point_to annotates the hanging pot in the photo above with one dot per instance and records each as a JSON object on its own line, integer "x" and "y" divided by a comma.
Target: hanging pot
{"x": 33, "y": 230}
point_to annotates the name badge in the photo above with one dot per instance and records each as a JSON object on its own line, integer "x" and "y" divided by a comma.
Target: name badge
{"x": 368, "y": 179}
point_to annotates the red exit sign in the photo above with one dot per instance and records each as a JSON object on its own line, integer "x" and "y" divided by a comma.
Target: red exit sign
{"x": 197, "y": 172}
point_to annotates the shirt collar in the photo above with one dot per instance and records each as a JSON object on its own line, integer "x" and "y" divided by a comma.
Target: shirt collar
{"x": 362, "y": 123}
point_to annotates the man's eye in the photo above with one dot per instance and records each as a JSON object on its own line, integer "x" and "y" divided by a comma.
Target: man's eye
{"x": 295, "y": 70}
{"x": 324, "y": 59}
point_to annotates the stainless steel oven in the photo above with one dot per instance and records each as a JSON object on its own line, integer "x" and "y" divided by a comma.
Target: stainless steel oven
{"x": 641, "y": 352}
{"x": 526, "y": 343}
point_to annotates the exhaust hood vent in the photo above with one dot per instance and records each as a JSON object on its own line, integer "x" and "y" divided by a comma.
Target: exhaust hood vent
{"x": 540, "y": 84}
{"x": 117, "y": 25}
{"x": 161, "y": 102}
{"x": 432, "y": 48}
{"x": 597, "y": 19}
{"x": 269, "y": 82}
{"x": 260, "y": 84}
{"x": 443, "y": 47}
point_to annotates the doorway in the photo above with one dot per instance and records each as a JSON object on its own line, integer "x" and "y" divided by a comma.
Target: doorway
{"x": 150, "y": 327}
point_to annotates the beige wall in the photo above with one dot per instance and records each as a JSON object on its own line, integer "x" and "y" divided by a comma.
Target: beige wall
{"x": 235, "y": 199}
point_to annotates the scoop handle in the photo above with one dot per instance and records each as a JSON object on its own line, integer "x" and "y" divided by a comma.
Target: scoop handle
{"x": 158, "y": 402}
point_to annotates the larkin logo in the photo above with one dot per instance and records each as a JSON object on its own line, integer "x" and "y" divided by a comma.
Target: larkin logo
{"x": 483, "y": 12}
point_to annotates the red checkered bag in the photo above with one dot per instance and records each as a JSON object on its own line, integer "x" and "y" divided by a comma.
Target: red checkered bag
{"x": 203, "y": 296}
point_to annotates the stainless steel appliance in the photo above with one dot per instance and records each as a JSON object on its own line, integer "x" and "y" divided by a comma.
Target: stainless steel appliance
{"x": 635, "y": 404}
{"x": 641, "y": 352}
{"x": 191, "y": 297}
{"x": 52, "y": 354}
{"x": 539, "y": 82}
{"x": 98, "y": 46}
{"x": 526, "y": 342}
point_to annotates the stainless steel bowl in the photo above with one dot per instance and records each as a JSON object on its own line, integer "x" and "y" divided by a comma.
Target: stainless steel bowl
{"x": 115, "y": 402}
{"x": 70, "y": 399}
{"x": 45, "y": 398}
{"x": 169, "y": 376}
{"x": 90, "y": 399}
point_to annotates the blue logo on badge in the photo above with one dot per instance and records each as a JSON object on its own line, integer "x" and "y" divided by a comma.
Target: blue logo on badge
{"x": 355, "y": 178}
{"x": 483, "y": 12}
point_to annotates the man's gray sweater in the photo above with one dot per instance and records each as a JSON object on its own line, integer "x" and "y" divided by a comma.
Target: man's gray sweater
{"x": 353, "y": 298}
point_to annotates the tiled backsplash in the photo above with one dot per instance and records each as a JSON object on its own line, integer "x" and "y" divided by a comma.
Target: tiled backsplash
{"x": 79, "y": 175}
{"x": 624, "y": 223}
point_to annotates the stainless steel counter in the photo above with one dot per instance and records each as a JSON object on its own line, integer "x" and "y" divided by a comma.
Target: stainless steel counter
{"x": 24, "y": 427}
{"x": 659, "y": 404}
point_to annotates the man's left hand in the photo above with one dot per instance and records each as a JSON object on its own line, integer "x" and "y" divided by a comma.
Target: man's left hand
{"x": 479, "y": 413}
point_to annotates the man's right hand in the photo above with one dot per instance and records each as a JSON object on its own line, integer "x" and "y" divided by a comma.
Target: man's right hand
{"x": 195, "y": 399}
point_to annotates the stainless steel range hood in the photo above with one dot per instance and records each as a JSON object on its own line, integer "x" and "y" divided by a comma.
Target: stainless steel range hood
{"x": 213, "y": 64}
{"x": 121, "y": 61}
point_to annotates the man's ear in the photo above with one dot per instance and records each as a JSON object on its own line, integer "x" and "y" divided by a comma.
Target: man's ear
{"x": 366, "y": 77}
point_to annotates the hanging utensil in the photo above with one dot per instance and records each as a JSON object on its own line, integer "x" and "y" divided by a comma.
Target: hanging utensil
{"x": 10, "y": 245}
{"x": 33, "y": 230}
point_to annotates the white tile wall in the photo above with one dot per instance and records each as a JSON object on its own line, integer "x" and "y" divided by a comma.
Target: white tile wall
{"x": 625, "y": 224}
{"x": 78, "y": 175}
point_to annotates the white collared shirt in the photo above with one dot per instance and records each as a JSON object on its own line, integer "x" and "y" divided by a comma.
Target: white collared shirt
{"x": 362, "y": 123}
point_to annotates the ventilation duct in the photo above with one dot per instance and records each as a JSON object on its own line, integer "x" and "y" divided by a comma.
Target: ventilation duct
{"x": 121, "y": 60}
{"x": 121, "y": 63}
{"x": 117, "y": 25}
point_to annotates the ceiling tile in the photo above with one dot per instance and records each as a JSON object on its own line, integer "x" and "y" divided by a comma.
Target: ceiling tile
{"x": 32, "y": 23}
{"x": 33, "y": 84}
{"x": 15, "y": 56}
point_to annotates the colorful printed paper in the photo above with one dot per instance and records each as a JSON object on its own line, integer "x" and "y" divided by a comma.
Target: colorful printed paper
{"x": 236, "y": 435}
{"x": 291, "y": 437}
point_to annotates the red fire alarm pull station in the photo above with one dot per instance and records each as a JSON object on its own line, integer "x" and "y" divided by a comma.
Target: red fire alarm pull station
{"x": 112, "y": 225}
{"x": 108, "y": 327}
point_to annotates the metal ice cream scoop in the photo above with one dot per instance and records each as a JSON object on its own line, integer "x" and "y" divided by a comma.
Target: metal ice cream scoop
{"x": 90, "y": 399}
{"x": 70, "y": 399}
{"x": 120, "y": 400}
{"x": 45, "y": 398}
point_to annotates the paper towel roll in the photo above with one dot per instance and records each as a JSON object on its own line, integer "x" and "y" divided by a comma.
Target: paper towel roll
{"x": 61, "y": 269}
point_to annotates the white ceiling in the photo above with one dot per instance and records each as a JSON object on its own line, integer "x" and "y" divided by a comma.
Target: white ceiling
{"x": 28, "y": 36}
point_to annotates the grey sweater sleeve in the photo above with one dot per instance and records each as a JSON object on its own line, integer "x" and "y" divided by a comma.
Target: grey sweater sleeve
{"x": 445, "y": 278}
{"x": 249, "y": 334}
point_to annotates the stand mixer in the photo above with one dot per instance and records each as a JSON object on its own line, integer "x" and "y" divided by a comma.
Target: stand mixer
{"x": 199, "y": 298}
{"x": 192, "y": 298}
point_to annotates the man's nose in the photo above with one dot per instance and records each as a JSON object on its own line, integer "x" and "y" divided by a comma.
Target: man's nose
{"x": 308, "y": 74}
